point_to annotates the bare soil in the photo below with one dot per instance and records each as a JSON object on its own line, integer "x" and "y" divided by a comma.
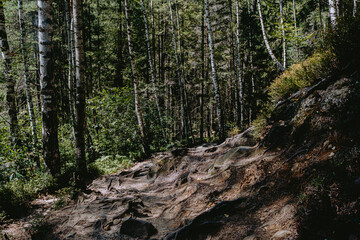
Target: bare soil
{"x": 300, "y": 182}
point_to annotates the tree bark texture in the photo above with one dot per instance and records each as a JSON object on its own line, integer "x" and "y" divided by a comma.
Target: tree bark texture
{"x": 213, "y": 74}
{"x": 281, "y": 67}
{"x": 283, "y": 32}
{"x": 239, "y": 74}
{"x": 47, "y": 83}
{"x": 332, "y": 12}
{"x": 80, "y": 103}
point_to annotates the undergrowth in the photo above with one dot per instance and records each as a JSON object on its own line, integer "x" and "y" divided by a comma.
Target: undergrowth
{"x": 335, "y": 51}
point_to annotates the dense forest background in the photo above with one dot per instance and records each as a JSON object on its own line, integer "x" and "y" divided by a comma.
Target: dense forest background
{"x": 88, "y": 87}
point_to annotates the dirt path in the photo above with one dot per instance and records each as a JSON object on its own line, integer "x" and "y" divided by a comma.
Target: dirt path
{"x": 171, "y": 189}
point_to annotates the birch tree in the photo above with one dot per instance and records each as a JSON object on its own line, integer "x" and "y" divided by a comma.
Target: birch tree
{"x": 283, "y": 32}
{"x": 26, "y": 78}
{"x": 213, "y": 74}
{"x": 241, "y": 110}
{"x": 80, "y": 104}
{"x": 332, "y": 12}
{"x": 47, "y": 82}
{"x": 152, "y": 71}
{"x": 354, "y": 10}
{"x": 280, "y": 66}
{"x": 136, "y": 84}
{"x": 70, "y": 43}
{"x": 178, "y": 75}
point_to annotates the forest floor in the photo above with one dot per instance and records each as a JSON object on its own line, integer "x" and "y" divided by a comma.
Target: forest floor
{"x": 300, "y": 182}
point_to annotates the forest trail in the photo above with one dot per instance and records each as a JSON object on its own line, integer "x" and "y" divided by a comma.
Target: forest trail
{"x": 173, "y": 188}
{"x": 300, "y": 182}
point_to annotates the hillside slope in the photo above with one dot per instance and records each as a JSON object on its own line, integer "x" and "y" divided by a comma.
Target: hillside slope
{"x": 300, "y": 182}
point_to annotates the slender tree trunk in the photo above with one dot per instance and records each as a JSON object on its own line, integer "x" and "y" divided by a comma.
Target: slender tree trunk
{"x": 36, "y": 80}
{"x": 80, "y": 103}
{"x": 332, "y": 12}
{"x": 27, "y": 83}
{"x": 153, "y": 40}
{"x": 152, "y": 71}
{"x": 47, "y": 82}
{"x": 119, "y": 81}
{"x": 283, "y": 33}
{"x": 320, "y": 15}
{"x": 239, "y": 74}
{"x": 252, "y": 102}
{"x": 202, "y": 75}
{"x": 178, "y": 73}
{"x": 281, "y": 67}
{"x": 213, "y": 74}
{"x": 355, "y": 6}
{"x": 10, "y": 81}
{"x": 70, "y": 60}
{"x": 294, "y": 15}
{"x": 296, "y": 32}
{"x": 136, "y": 83}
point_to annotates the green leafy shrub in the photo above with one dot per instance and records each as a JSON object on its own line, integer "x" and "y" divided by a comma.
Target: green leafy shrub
{"x": 109, "y": 164}
{"x": 113, "y": 124}
{"x": 15, "y": 195}
{"x": 301, "y": 75}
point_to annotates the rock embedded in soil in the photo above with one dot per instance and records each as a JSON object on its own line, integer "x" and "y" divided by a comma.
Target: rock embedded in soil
{"x": 137, "y": 229}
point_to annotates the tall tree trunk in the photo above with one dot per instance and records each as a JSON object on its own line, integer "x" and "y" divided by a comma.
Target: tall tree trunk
{"x": 34, "y": 20}
{"x": 283, "y": 33}
{"x": 47, "y": 82}
{"x": 152, "y": 71}
{"x": 294, "y": 15}
{"x": 281, "y": 67}
{"x": 70, "y": 60}
{"x": 80, "y": 103}
{"x": 296, "y": 31}
{"x": 178, "y": 74}
{"x": 118, "y": 80}
{"x": 355, "y": 6}
{"x": 332, "y": 12}
{"x": 252, "y": 102}
{"x": 136, "y": 83}
{"x": 153, "y": 40}
{"x": 239, "y": 74}
{"x": 213, "y": 74}
{"x": 27, "y": 83}
{"x": 10, "y": 82}
{"x": 320, "y": 15}
{"x": 202, "y": 75}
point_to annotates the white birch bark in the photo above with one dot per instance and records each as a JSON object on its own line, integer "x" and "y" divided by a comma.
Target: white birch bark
{"x": 283, "y": 33}
{"x": 27, "y": 84}
{"x": 152, "y": 72}
{"x": 47, "y": 84}
{"x": 355, "y": 6}
{"x": 178, "y": 73}
{"x": 135, "y": 84}
{"x": 332, "y": 12}
{"x": 71, "y": 67}
{"x": 239, "y": 74}
{"x": 213, "y": 74}
{"x": 281, "y": 67}
{"x": 80, "y": 103}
